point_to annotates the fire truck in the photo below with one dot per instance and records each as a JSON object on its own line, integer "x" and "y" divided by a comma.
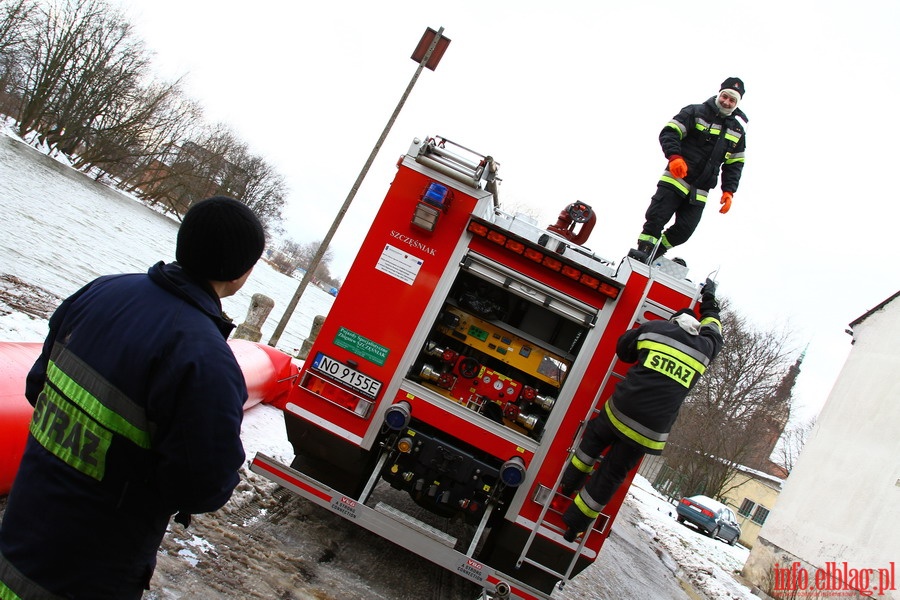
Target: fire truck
{"x": 456, "y": 370}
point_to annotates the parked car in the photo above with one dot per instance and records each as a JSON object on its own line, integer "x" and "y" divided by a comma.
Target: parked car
{"x": 711, "y": 517}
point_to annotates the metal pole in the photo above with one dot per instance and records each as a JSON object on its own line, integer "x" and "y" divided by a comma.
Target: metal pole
{"x": 314, "y": 264}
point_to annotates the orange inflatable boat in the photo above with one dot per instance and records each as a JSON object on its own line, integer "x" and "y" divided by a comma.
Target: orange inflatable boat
{"x": 269, "y": 374}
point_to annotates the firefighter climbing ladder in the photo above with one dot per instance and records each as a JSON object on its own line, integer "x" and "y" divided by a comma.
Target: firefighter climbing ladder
{"x": 544, "y": 495}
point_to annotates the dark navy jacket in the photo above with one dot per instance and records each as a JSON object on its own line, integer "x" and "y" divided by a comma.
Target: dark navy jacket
{"x": 138, "y": 407}
{"x": 670, "y": 358}
{"x": 708, "y": 142}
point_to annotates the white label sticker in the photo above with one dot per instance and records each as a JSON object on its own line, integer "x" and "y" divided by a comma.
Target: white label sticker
{"x": 399, "y": 264}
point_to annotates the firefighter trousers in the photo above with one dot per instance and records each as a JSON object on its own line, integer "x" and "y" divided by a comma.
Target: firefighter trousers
{"x": 664, "y": 204}
{"x": 619, "y": 460}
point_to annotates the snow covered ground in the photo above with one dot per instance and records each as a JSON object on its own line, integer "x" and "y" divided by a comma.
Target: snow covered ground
{"x": 61, "y": 229}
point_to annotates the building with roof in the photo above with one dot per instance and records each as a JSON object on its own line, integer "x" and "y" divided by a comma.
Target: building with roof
{"x": 834, "y": 531}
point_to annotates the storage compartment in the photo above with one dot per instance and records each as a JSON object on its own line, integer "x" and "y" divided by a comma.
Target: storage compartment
{"x": 502, "y": 346}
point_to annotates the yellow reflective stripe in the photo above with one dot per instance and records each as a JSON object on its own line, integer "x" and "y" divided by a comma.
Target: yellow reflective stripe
{"x": 13, "y": 579}
{"x": 674, "y": 353}
{"x": 647, "y": 238}
{"x": 581, "y": 465}
{"x": 90, "y": 404}
{"x": 671, "y": 368}
{"x": 712, "y": 321}
{"x": 679, "y": 183}
{"x": 6, "y": 593}
{"x": 632, "y": 434}
{"x": 677, "y": 127}
{"x": 732, "y": 138}
{"x": 676, "y": 182}
{"x": 69, "y": 434}
{"x": 585, "y": 509}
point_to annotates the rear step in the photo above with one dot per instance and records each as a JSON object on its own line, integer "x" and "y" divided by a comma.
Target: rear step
{"x": 410, "y": 521}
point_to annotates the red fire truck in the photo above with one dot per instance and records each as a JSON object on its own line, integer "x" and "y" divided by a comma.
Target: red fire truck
{"x": 456, "y": 370}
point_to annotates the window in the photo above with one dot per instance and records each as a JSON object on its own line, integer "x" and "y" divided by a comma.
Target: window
{"x": 746, "y": 507}
{"x": 759, "y": 517}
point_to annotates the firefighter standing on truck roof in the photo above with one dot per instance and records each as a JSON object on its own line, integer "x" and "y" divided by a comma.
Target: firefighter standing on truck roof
{"x": 138, "y": 406}
{"x": 696, "y": 142}
{"x": 671, "y": 356}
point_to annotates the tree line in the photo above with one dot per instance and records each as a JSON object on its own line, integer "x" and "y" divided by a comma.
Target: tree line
{"x": 77, "y": 80}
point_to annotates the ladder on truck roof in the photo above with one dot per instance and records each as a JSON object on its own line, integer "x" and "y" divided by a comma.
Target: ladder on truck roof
{"x": 544, "y": 495}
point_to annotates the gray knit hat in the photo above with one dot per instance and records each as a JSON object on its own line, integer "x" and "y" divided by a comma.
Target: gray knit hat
{"x": 220, "y": 239}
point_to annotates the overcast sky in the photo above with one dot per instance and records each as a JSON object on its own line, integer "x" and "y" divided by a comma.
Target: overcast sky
{"x": 570, "y": 97}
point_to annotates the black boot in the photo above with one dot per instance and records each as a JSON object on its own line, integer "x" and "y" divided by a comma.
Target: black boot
{"x": 660, "y": 250}
{"x": 576, "y": 523}
{"x": 642, "y": 252}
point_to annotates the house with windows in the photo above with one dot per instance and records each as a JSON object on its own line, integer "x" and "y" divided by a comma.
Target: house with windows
{"x": 752, "y": 495}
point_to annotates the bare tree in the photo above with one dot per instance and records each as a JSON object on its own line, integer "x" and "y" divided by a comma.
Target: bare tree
{"x": 14, "y": 17}
{"x": 54, "y": 42}
{"x": 791, "y": 443}
{"x": 99, "y": 97}
{"x": 139, "y": 127}
{"x": 171, "y": 119}
{"x": 83, "y": 85}
{"x": 293, "y": 255}
{"x": 722, "y": 419}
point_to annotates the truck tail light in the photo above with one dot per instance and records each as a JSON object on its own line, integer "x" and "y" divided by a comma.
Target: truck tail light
{"x": 497, "y": 238}
{"x": 591, "y": 282}
{"x": 517, "y": 247}
{"x": 478, "y": 229}
{"x": 571, "y": 273}
{"x": 397, "y": 416}
{"x": 337, "y": 395}
{"x": 534, "y": 255}
{"x": 540, "y": 255}
{"x": 552, "y": 264}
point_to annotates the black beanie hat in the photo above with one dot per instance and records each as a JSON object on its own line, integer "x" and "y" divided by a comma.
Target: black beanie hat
{"x": 220, "y": 239}
{"x": 733, "y": 83}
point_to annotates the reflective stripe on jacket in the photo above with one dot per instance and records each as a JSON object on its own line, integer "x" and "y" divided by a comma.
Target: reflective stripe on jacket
{"x": 138, "y": 407}
{"x": 669, "y": 362}
{"x": 709, "y": 143}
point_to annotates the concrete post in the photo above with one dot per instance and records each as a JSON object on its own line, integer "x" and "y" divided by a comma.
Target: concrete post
{"x": 250, "y": 329}
{"x": 313, "y": 334}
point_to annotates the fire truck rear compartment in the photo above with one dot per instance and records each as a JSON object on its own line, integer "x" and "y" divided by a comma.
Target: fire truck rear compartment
{"x": 443, "y": 478}
{"x": 499, "y": 353}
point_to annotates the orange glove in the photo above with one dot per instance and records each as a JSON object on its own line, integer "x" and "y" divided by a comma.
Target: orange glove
{"x": 677, "y": 166}
{"x": 726, "y": 202}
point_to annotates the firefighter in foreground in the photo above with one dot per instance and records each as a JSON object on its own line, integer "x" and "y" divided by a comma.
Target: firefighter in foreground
{"x": 671, "y": 356}
{"x": 696, "y": 142}
{"x": 138, "y": 402}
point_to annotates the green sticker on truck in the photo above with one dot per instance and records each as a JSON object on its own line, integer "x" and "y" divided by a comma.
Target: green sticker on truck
{"x": 361, "y": 346}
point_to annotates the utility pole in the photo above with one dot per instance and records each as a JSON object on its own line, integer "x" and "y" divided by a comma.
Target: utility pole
{"x": 428, "y": 53}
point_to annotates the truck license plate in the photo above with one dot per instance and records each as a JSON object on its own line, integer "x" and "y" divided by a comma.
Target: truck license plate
{"x": 346, "y": 375}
